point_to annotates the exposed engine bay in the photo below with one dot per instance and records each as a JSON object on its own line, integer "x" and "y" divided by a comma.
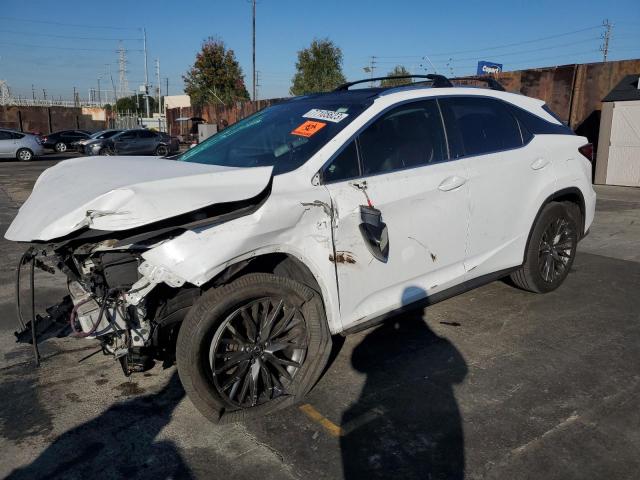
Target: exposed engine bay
{"x": 133, "y": 309}
{"x": 109, "y": 300}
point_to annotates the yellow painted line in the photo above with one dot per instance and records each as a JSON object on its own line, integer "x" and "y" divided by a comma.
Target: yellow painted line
{"x": 331, "y": 428}
{"x": 336, "y": 430}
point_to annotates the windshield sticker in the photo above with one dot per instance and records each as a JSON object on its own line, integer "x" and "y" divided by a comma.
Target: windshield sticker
{"x": 328, "y": 115}
{"x": 308, "y": 128}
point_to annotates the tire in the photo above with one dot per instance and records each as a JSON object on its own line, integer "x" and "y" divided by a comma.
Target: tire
{"x": 24, "y": 155}
{"x": 551, "y": 249}
{"x": 162, "y": 150}
{"x": 60, "y": 147}
{"x": 206, "y": 344}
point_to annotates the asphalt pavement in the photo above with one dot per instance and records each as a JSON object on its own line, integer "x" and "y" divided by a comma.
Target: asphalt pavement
{"x": 496, "y": 383}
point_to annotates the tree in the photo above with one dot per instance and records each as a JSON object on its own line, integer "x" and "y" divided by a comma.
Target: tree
{"x": 318, "y": 69}
{"x": 216, "y": 76}
{"x": 397, "y": 71}
{"x": 134, "y": 104}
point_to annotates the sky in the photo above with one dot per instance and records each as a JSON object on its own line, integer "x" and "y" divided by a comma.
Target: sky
{"x": 59, "y": 45}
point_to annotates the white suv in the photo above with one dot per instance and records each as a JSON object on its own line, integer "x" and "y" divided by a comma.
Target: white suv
{"x": 324, "y": 214}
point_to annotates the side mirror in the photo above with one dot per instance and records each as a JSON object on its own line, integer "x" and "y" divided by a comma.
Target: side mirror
{"x": 375, "y": 233}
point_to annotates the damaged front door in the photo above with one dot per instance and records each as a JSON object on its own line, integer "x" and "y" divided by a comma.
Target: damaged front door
{"x": 415, "y": 203}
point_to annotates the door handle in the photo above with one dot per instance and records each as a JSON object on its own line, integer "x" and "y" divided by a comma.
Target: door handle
{"x": 539, "y": 163}
{"x": 451, "y": 183}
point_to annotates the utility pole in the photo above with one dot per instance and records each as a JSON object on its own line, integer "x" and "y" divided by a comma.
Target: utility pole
{"x": 606, "y": 36}
{"x": 254, "y": 49}
{"x": 257, "y": 85}
{"x": 44, "y": 93}
{"x": 75, "y": 102}
{"x": 33, "y": 92}
{"x": 146, "y": 73}
{"x": 158, "y": 82}
{"x": 371, "y": 68}
{"x": 99, "y": 99}
{"x": 123, "y": 83}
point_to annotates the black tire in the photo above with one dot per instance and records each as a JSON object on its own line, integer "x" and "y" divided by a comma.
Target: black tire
{"x": 201, "y": 339}
{"x": 24, "y": 155}
{"x": 551, "y": 249}
{"x": 162, "y": 150}
{"x": 60, "y": 147}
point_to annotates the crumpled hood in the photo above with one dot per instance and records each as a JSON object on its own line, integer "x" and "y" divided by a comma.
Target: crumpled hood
{"x": 120, "y": 193}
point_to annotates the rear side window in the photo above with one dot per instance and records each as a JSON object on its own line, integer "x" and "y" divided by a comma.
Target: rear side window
{"x": 5, "y": 135}
{"x": 17, "y": 135}
{"x": 533, "y": 124}
{"x": 410, "y": 135}
{"x": 127, "y": 136}
{"x": 477, "y": 125}
{"x": 146, "y": 134}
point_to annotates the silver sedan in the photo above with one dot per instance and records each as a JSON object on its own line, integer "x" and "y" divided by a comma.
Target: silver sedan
{"x": 20, "y": 145}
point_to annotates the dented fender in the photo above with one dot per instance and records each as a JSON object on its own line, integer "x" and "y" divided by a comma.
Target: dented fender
{"x": 294, "y": 221}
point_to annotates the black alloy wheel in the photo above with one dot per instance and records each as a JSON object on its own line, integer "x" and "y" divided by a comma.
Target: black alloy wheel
{"x": 257, "y": 351}
{"x": 551, "y": 248}
{"x": 253, "y": 346}
{"x": 556, "y": 249}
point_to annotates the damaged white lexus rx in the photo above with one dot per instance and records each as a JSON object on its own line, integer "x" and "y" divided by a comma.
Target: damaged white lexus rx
{"x": 320, "y": 215}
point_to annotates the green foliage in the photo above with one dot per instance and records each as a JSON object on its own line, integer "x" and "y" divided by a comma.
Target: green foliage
{"x": 215, "y": 76}
{"x": 135, "y": 104}
{"x": 318, "y": 69}
{"x": 398, "y": 70}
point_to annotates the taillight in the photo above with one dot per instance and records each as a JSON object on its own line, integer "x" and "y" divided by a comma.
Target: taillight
{"x": 44, "y": 139}
{"x": 587, "y": 151}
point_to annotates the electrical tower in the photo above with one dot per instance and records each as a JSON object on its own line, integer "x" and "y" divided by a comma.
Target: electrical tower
{"x": 123, "y": 83}
{"x": 606, "y": 37}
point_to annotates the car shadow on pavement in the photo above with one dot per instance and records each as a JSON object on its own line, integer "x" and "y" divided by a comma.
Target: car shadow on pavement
{"x": 406, "y": 422}
{"x": 119, "y": 443}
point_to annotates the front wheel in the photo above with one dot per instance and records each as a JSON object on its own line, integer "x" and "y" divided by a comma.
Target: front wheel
{"x": 252, "y": 346}
{"x": 551, "y": 250}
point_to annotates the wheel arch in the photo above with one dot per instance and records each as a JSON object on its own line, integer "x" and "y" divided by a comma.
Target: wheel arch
{"x": 283, "y": 264}
{"x": 571, "y": 194}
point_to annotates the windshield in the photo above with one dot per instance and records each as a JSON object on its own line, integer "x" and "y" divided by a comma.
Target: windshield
{"x": 284, "y": 135}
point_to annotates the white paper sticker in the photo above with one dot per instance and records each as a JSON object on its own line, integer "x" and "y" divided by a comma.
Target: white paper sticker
{"x": 328, "y": 115}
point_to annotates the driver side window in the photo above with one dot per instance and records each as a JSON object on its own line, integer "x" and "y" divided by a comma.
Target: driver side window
{"x": 344, "y": 166}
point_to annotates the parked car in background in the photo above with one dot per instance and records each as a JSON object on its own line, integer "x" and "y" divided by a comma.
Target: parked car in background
{"x": 85, "y": 145}
{"x": 20, "y": 145}
{"x": 61, "y": 141}
{"x": 139, "y": 142}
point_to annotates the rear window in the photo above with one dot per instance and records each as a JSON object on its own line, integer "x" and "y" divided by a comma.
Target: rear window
{"x": 284, "y": 136}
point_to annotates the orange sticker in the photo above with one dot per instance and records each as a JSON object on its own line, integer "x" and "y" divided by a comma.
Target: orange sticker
{"x": 308, "y": 128}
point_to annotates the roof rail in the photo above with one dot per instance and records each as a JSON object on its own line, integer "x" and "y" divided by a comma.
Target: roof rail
{"x": 439, "y": 81}
{"x": 491, "y": 82}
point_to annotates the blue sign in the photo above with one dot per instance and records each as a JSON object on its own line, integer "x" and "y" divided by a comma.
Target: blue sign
{"x": 485, "y": 68}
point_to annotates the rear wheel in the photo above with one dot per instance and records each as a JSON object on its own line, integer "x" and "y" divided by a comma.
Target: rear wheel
{"x": 61, "y": 147}
{"x": 551, "y": 250}
{"x": 162, "y": 150}
{"x": 24, "y": 155}
{"x": 252, "y": 347}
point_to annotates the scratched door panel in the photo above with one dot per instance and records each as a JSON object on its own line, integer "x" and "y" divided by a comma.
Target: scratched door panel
{"x": 427, "y": 230}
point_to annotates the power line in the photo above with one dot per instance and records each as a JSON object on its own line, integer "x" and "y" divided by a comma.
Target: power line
{"x": 31, "y": 34}
{"x": 55, "y": 47}
{"x": 92, "y": 26}
{"x": 497, "y": 47}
